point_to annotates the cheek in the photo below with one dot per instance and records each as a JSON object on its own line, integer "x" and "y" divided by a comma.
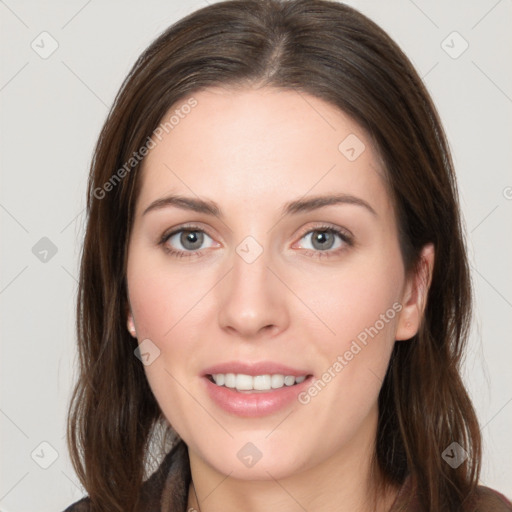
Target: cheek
{"x": 160, "y": 313}
{"x": 161, "y": 298}
{"x": 169, "y": 309}
{"x": 150, "y": 304}
{"x": 361, "y": 297}
{"x": 360, "y": 306}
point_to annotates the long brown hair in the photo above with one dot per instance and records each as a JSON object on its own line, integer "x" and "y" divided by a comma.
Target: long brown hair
{"x": 333, "y": 52}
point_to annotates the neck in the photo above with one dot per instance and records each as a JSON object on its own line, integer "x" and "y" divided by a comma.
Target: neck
{"x": 345, "y": 478}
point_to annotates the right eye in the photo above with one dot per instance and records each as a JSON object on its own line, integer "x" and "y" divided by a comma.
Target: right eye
{"x": 185, "y": 242}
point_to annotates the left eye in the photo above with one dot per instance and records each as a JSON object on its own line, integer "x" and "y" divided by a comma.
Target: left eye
{"x": 324, "y": 239}
{"x": 190, "y": 240}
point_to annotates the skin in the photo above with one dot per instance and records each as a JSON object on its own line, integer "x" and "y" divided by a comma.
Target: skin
{"x": 251, "y": 151}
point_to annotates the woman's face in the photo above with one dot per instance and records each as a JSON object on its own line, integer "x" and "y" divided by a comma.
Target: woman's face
{"x": 265, "y": 246}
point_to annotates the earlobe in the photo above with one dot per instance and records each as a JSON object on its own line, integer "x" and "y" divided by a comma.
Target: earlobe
{"x": 415, "y": 294}
{"x": 131, "y": 325}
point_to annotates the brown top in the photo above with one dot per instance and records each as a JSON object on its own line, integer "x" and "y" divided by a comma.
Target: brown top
{"x": 167, "y": 490}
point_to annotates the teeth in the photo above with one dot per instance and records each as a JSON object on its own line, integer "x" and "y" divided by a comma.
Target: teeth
{"x": 230, "y": 380}
{"x": 277, "y": 381}
{"x": 242, "y": 382}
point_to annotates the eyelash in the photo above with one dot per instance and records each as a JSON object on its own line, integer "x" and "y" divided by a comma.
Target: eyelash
{"x": 345, "y": 237}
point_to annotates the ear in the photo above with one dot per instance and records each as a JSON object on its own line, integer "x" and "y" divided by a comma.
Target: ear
{"x": 131, "y": 325}
{"x": 414, "y": 296}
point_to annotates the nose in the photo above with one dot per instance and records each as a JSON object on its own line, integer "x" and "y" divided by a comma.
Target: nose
{"x": 252, "y": 301}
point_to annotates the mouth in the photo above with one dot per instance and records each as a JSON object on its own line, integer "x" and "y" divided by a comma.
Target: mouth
{"x": 255, "y": 389}
{"x": 265, "y": 383}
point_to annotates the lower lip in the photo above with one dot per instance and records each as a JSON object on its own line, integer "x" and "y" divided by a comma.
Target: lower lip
{"x": 254, "y": 404}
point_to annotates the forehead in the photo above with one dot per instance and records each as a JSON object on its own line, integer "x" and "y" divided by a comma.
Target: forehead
{"x": 260, "y": 147}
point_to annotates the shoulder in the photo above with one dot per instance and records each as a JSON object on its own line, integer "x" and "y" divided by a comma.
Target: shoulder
{"x": 483, "y": 499}
{"x": 486, "y": 499}
{"x": 165, "y": 489}
{"x": 80, "y": 506}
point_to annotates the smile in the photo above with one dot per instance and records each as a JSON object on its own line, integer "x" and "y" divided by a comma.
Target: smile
{"x": 243, "y": 382}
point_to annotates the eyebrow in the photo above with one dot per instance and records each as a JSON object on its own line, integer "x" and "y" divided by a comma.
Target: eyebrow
{"x": 290, "y": 208}
{"x": 316, "y": 202}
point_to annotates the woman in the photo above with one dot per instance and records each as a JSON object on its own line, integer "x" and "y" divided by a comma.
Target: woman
{"x": 274, "y": 277}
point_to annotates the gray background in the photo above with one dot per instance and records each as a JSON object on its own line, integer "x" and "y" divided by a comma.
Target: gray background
{"x": 52, "y": 112}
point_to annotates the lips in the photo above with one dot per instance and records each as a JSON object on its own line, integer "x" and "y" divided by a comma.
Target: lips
{"x": 254, "y": 403}
{"x": 256, "y": 368}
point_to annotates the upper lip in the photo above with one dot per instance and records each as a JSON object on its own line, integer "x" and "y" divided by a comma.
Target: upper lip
{"x": 255, "y": 368}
